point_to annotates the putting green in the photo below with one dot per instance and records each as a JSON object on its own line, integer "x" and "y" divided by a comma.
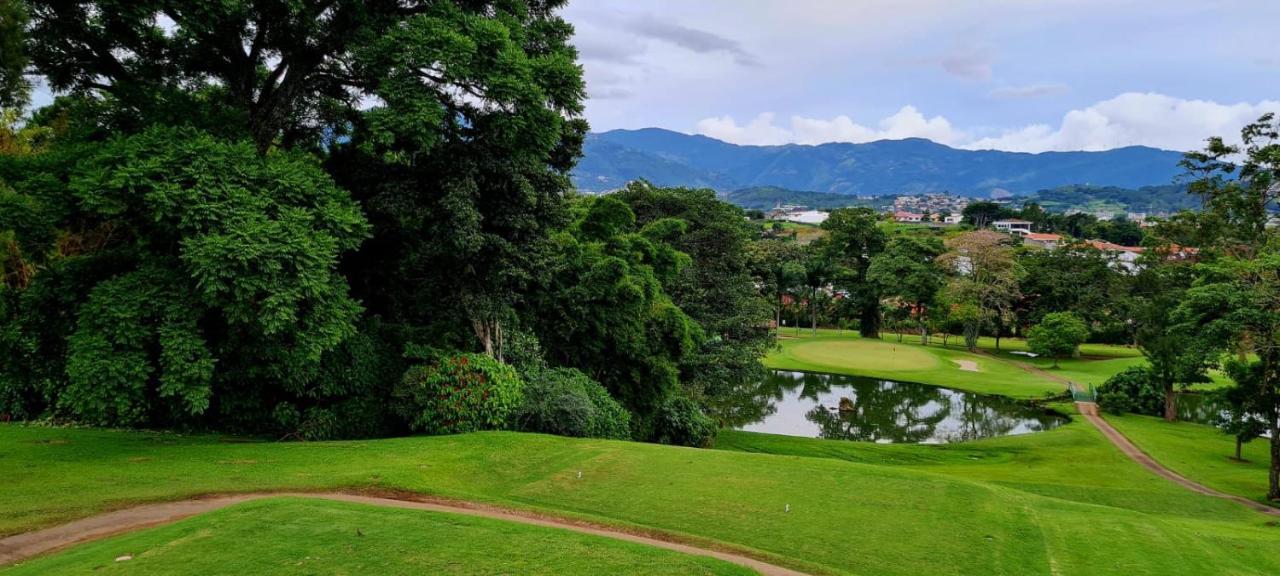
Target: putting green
{"x": 865, "y": 354}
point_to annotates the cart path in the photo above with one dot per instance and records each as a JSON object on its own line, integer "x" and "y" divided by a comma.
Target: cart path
{"x": 1090, "y": 412}
{"x": 22, "y": 546}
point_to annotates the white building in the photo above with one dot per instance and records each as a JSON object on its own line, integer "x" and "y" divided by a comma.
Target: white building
{"x": 1013, "y": 226}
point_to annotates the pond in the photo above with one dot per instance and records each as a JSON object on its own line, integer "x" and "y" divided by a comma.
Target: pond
{"x": 872, "y": 410}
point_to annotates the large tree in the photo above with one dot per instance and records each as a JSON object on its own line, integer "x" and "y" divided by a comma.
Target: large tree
{"x": 716, "y": 290}
{"x": 454, "y": 123}
{"x": 1234, "y": 305}
{"x": 908, "y": 270}
{"x": 854, "y": 238}
{"x": 986, "y": 277}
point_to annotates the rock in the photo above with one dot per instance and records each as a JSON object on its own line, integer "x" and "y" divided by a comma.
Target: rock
{"x": 125, "y": 558}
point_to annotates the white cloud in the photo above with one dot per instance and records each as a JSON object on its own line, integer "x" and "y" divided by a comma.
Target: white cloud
{"x": 759, "y": 131}
{"x": 1133, "y": 119}
{"x": 1130, "y": 119}
{"x": 905, "y": 123}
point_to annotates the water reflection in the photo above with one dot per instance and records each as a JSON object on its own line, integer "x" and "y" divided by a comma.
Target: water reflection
{"x": 870, "y": 410}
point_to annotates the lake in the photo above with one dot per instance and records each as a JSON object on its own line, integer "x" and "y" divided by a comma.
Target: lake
{"x": 863, "y": 409}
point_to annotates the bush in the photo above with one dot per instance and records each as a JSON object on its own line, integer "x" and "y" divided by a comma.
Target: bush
{"x": 566, "y": 402}
{"x": 1133, "y": 390}
{"x": 458, "y": 392}
{"x": 680, "y": 421}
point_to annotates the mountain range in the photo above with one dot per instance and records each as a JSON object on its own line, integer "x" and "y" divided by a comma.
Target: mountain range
{"x": 885, "y": 167}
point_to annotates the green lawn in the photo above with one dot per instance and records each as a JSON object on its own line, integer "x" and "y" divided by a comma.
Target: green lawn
{"x": 846, "y": 353}
{"x": 1061, "y": 501}
{"x": 299, "y": 536}
{"x": 1200, "y": 453}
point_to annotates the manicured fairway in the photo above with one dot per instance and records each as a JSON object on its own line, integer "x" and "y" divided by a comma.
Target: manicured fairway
{"x": 1063, "y": 500}
{"x": 829, "y": 351}
{"x": 1200, "y": 453}
{"x": 299, "y": 536}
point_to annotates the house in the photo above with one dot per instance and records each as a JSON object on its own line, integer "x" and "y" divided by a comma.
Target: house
{"x": 1046, "y": 241}
{"x": 1013, "y": 226}
{"x": 952, "y": 219}
{"x": 1125, "y": 256}
{"x": 907, "y": 217}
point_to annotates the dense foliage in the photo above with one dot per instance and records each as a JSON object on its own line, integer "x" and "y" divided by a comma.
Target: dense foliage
{"x": 1058, "y": 335}
{"x": 566, "y": 402}
{"x": 1132, "y": 391}
{"x": 459, "y": 392}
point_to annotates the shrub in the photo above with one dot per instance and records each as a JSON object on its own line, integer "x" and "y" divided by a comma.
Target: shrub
{"x": 680, "y": 421}
{"x": 1133, "y": 390}
{"x": 566, "y": 402}
{"x": 1058, "y": 335}
{"x": 458, "y": 392}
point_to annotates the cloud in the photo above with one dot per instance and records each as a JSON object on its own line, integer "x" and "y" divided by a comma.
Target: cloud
{"x": 1028, "y": 91}
{"x": 693, "y": 39}
{"x": 761, "y": 130}
{"x": 1133, "y": 119}
{"x": 906, "y": 123}
{"x": 1130, "y": 119}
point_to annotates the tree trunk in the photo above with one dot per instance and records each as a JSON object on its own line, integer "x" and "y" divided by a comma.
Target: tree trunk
{"x": 1273, "y": 493}
{"x": 777, "y": 317}
{"x": 869, "y": 321}
{"x": 813, "y": 310}
{"x": 1170, "y": 403}
{"x": 1239, "y": 444}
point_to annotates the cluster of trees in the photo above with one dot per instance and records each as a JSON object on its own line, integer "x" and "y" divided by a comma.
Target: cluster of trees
{"x": 1119, "y": 230}
{"x": 345, "y": 218}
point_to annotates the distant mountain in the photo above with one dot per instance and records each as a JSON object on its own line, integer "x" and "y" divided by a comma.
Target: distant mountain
{"x": 910, "y": 166}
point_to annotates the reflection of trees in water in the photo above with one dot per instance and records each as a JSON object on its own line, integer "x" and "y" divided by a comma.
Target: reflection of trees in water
{"x": 882, "y": 410}
{"x": 1199, "y": 407}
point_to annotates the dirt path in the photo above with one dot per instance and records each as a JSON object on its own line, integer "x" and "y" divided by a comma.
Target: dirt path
{"x": 1090, "y": 412}
{"x": 22, "y": 546}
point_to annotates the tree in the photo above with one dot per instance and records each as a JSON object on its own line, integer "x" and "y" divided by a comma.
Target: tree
{"x": 1058, "y": 335}
{"x": 854, "y": 238}
{"x": 1234, "y": 305}
{"x": 817, "y": 272}
{"x": 604, "y": 310}
{"x": 986, "y": 277}
{"x": 1075, "y": 278}
{"x": 716, "y": 289}
{"x": 1247, "y": 404}
{"x": 777, "y": 266}
{"x": 461, "y": 161}
{"x": 908, "y": 269}
{"x": 981, "y": 214}
{"x": 14, "y": 87}
{"x": 203, "y": 280}
{"x": 1170, "y": 346}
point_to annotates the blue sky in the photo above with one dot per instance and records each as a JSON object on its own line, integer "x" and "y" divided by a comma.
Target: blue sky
{"x": 1027, "y": 75}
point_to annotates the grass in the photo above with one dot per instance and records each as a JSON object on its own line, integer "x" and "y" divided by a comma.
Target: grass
{"x": 1062, "y": 501}
{"x": 998, "y": 373}
{"x": 298, "y": 536}
{"x": 1201, "y": 453}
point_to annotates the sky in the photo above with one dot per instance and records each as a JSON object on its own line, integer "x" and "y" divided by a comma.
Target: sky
{"x": 1019, "y": 75}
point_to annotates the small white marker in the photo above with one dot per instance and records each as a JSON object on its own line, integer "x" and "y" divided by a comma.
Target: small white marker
{"x": 125, "y": 558}
{"x": 787, "y": 508}
{"x": 579, "y": 474}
